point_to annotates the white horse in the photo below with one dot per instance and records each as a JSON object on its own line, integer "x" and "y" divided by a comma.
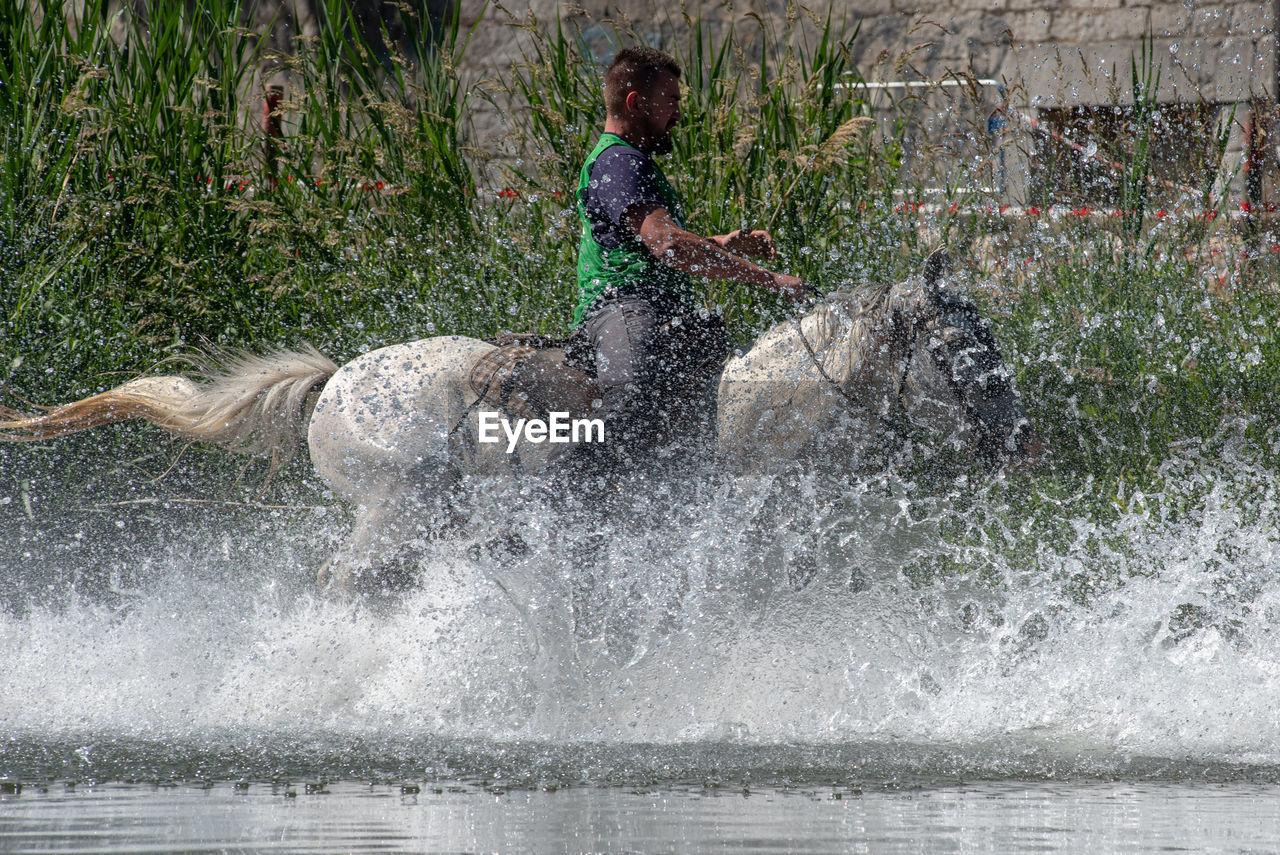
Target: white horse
{"x": 397, "y": 427}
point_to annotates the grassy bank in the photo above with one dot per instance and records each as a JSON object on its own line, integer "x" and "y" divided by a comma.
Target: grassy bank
{"x": 143, "y": 213}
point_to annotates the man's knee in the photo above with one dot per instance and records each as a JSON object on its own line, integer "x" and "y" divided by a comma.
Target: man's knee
{"x": 695, "y": 348}
{"x": 651, "y": 357}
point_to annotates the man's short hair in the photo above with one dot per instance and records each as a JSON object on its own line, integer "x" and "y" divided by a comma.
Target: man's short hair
{"x": 634, "y": 69}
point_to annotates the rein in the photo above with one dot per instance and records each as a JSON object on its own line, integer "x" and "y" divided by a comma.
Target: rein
{"x": 817, "y": 363}
{"x": 893, "y": 424}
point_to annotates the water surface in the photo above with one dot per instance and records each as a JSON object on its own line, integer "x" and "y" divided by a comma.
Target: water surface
{"x": 348, "y": 817}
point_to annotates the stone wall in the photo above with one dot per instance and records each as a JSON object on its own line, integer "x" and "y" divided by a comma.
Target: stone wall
{"x": 1049, "y": 52}
{"x": 1046, "y": 55}
{"x": 1059, "y": 51}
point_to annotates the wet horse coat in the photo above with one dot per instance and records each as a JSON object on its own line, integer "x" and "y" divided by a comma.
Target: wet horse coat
{"x": 400, "y": 425}
{"x": 395, "y": 430}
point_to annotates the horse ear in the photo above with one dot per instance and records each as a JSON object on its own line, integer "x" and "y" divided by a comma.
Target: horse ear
{"x": 937, "y": 267}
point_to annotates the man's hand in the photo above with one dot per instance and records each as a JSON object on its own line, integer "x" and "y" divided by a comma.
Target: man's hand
{"x": 793, "y": 288}
{"x": 756, "y": 244}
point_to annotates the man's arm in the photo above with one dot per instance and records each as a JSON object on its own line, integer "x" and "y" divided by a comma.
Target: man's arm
{"x": 696, "y": 256}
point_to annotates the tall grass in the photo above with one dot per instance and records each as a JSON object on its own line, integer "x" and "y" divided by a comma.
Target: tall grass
{"x": 140, "y": 214}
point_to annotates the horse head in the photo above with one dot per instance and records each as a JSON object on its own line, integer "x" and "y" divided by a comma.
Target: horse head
{"x": 913, "y": 360}
{"x": 953, "y": 376}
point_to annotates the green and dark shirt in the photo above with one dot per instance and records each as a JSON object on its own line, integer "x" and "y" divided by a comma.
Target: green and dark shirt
{"x": 616, "y": 177}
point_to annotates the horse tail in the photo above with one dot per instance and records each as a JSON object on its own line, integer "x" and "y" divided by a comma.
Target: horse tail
{"x": 253, "y": 404}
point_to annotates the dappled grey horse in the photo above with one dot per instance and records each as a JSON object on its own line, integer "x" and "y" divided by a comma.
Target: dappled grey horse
{"x": 399, "y": 429}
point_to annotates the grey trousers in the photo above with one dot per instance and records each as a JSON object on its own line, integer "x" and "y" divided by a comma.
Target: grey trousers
{"x": 653, "y": 356}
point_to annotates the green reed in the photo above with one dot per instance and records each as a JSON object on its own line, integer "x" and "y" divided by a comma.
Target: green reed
{"x": 142, "y": 213}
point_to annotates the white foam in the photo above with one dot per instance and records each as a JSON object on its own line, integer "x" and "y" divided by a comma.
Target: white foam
{"x": 1163, "y": 644}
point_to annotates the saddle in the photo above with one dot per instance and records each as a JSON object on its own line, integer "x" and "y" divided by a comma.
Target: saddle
{"x": 528, "y": 376}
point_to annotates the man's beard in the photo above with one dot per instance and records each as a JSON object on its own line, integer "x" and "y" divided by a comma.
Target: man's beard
{"x": 663, "y": 144}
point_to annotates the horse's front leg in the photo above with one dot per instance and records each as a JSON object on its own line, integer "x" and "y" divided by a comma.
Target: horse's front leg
{"x": 382, "y": 553}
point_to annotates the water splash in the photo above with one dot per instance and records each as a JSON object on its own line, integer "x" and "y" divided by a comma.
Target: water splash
{"x": 1086, "y": 639}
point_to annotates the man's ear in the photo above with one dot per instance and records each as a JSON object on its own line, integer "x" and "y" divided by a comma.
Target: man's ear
{"x": 632, "y": 101}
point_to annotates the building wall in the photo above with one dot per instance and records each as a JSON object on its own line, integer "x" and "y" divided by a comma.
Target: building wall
{"x": 1048, "y": 56}
{"x": 1060, "y": 51}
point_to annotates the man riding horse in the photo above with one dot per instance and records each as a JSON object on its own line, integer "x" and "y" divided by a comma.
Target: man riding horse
{"x": 396, "y": 431}
{"x": 637, "y": 261}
